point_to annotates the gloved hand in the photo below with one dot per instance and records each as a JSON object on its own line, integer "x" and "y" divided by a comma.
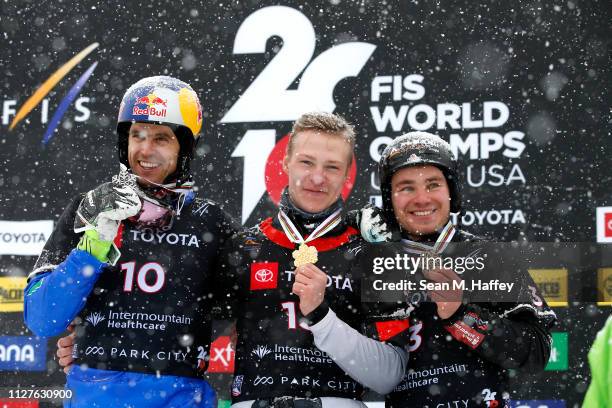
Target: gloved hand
{"x": 102, "y": 210}
{"x": 373, "y": 225}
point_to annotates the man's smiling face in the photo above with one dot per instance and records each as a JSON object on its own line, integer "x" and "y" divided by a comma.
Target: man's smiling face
{"x": 152, "y": 152}
{"x": 421, "y": 199}
{"x": 317, "y": 167}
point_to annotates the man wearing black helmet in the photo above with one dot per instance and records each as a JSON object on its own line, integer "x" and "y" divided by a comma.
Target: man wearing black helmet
{"x": 143, "y": 329}
{"x": 458, "y": 352}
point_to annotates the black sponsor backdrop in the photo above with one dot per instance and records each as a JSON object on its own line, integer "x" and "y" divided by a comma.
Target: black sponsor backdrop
{"x": 547, "y": 61}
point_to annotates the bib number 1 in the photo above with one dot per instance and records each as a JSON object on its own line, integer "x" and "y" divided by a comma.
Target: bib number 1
{"x": 290, "y": 308}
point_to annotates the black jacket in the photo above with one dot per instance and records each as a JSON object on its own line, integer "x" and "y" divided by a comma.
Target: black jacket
{"x": 275, "y": 355}
{"x": 463, "y": 361}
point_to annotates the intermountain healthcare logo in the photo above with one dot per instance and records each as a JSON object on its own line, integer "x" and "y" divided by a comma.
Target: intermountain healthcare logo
{"x": 558, "y": 360}
{"x": 261, "y": 351}
{"x": 290, "y": 353}
{"x": 552, "y": 283}
{"x": 48, "y": 85}
{"x": 95, "y": 318}
{"x": 11, "y": 293}
{"x": 135, "y": 320}
{"x": 21, "y": 353}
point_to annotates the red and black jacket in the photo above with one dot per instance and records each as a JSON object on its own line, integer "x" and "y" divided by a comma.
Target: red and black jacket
{"x": 275, "y": 354}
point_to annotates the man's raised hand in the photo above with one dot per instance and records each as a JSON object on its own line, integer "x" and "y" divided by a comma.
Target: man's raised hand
{"x": 310, "y": 283}
{"x": 447, "y": 301}
{"x": 104, "y": 207}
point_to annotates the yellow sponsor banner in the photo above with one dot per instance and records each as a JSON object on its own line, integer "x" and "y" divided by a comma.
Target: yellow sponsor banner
{"x": 552, "y": 284}
{"x": 11, "y": 293}
{"x": 604, "y": 287}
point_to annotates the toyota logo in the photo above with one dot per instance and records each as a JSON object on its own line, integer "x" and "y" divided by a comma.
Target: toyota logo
{"x": 264, "y": 275}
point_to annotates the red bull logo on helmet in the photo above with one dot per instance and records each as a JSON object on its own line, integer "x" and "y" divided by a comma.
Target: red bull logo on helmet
{"x": 153, "y": 106}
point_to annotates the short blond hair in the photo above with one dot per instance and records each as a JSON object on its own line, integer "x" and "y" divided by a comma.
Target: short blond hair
{"x": 323, "y": 122}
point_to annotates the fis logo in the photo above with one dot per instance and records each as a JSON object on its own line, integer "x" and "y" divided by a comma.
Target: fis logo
{"x": 65, "y": 103}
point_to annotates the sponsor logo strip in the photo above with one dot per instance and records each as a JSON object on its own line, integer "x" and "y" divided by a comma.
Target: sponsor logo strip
{"x": 20, "y": 403}
{"x": 24, "y": 237}
{"x": 604, "y": 287}
{"x": 552, "y": 283}
{"x": 537, "y": 404}
{"x": 21, "y": 353}
{"x": 11, "y": 293}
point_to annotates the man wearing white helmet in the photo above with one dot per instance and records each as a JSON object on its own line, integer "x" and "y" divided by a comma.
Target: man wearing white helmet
{"x": 122, "y": 259}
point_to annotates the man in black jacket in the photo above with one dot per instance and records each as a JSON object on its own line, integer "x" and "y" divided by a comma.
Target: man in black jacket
{"x": 134, "y": 260}
{"x": 281, "y": 269}
{"x": 459, "y": 351}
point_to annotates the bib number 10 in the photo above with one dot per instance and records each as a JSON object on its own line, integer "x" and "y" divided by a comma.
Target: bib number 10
{"x": 150, "y": 277}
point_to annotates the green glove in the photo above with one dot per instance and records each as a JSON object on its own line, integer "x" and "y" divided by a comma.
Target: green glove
{"x": 91, "y": 242}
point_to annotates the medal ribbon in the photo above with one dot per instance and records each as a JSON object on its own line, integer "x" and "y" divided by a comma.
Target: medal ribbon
{"x": 438, "y": 247}
{"x": 294, "y": 235}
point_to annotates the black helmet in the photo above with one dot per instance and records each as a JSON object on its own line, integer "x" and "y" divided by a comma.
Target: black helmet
{"x": 418, "y": 149}
{"x": 166, "y": 101}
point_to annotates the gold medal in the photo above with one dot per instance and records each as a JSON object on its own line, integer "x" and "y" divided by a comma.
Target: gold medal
{"x": 304, "y": 255}
{"x": 307, "y": 254}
